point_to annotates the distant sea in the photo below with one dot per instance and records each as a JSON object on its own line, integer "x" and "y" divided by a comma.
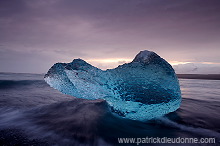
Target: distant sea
{"x": 32, "y": 113}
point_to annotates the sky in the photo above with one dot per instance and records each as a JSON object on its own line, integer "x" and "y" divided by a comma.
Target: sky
{"x": 35, "y": 34}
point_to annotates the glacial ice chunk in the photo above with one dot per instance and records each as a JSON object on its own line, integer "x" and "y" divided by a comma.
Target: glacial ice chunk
{"x": 144, "y": 89}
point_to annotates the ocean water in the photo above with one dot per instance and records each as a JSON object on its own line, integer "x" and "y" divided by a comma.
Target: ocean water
{"x": 32, "y": 113}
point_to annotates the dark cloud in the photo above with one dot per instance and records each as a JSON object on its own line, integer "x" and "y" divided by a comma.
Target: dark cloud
{"x": 65, "y": 29}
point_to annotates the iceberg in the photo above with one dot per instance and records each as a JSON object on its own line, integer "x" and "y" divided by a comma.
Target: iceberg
{"x": 143, "y": 89}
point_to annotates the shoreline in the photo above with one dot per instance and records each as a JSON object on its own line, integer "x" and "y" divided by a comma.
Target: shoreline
{"x": 199, "y": 76}
{"x": 180, "y": 76}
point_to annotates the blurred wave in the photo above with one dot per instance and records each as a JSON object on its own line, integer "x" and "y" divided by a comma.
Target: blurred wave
{"x": 7, "y": 84}
{"x": 32, "y": 113}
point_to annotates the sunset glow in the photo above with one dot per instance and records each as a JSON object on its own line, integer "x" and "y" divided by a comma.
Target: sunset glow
{"x": 110, "y": 60}
{"x": 109, "y": 63}
{"x": 177, "y": 62}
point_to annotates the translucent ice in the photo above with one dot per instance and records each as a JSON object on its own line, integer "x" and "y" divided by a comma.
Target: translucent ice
{"x": 144, "y": 89}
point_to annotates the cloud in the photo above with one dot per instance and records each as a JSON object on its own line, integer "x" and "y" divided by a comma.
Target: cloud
{"x": 197, "y": 68}
{"x": 66, "y": 29}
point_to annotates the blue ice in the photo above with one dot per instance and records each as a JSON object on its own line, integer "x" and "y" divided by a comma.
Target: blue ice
{"x": 143, "y": 89}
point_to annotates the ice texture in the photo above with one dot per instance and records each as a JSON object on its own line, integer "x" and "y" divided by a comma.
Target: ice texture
{"x": 143, "y": 89}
